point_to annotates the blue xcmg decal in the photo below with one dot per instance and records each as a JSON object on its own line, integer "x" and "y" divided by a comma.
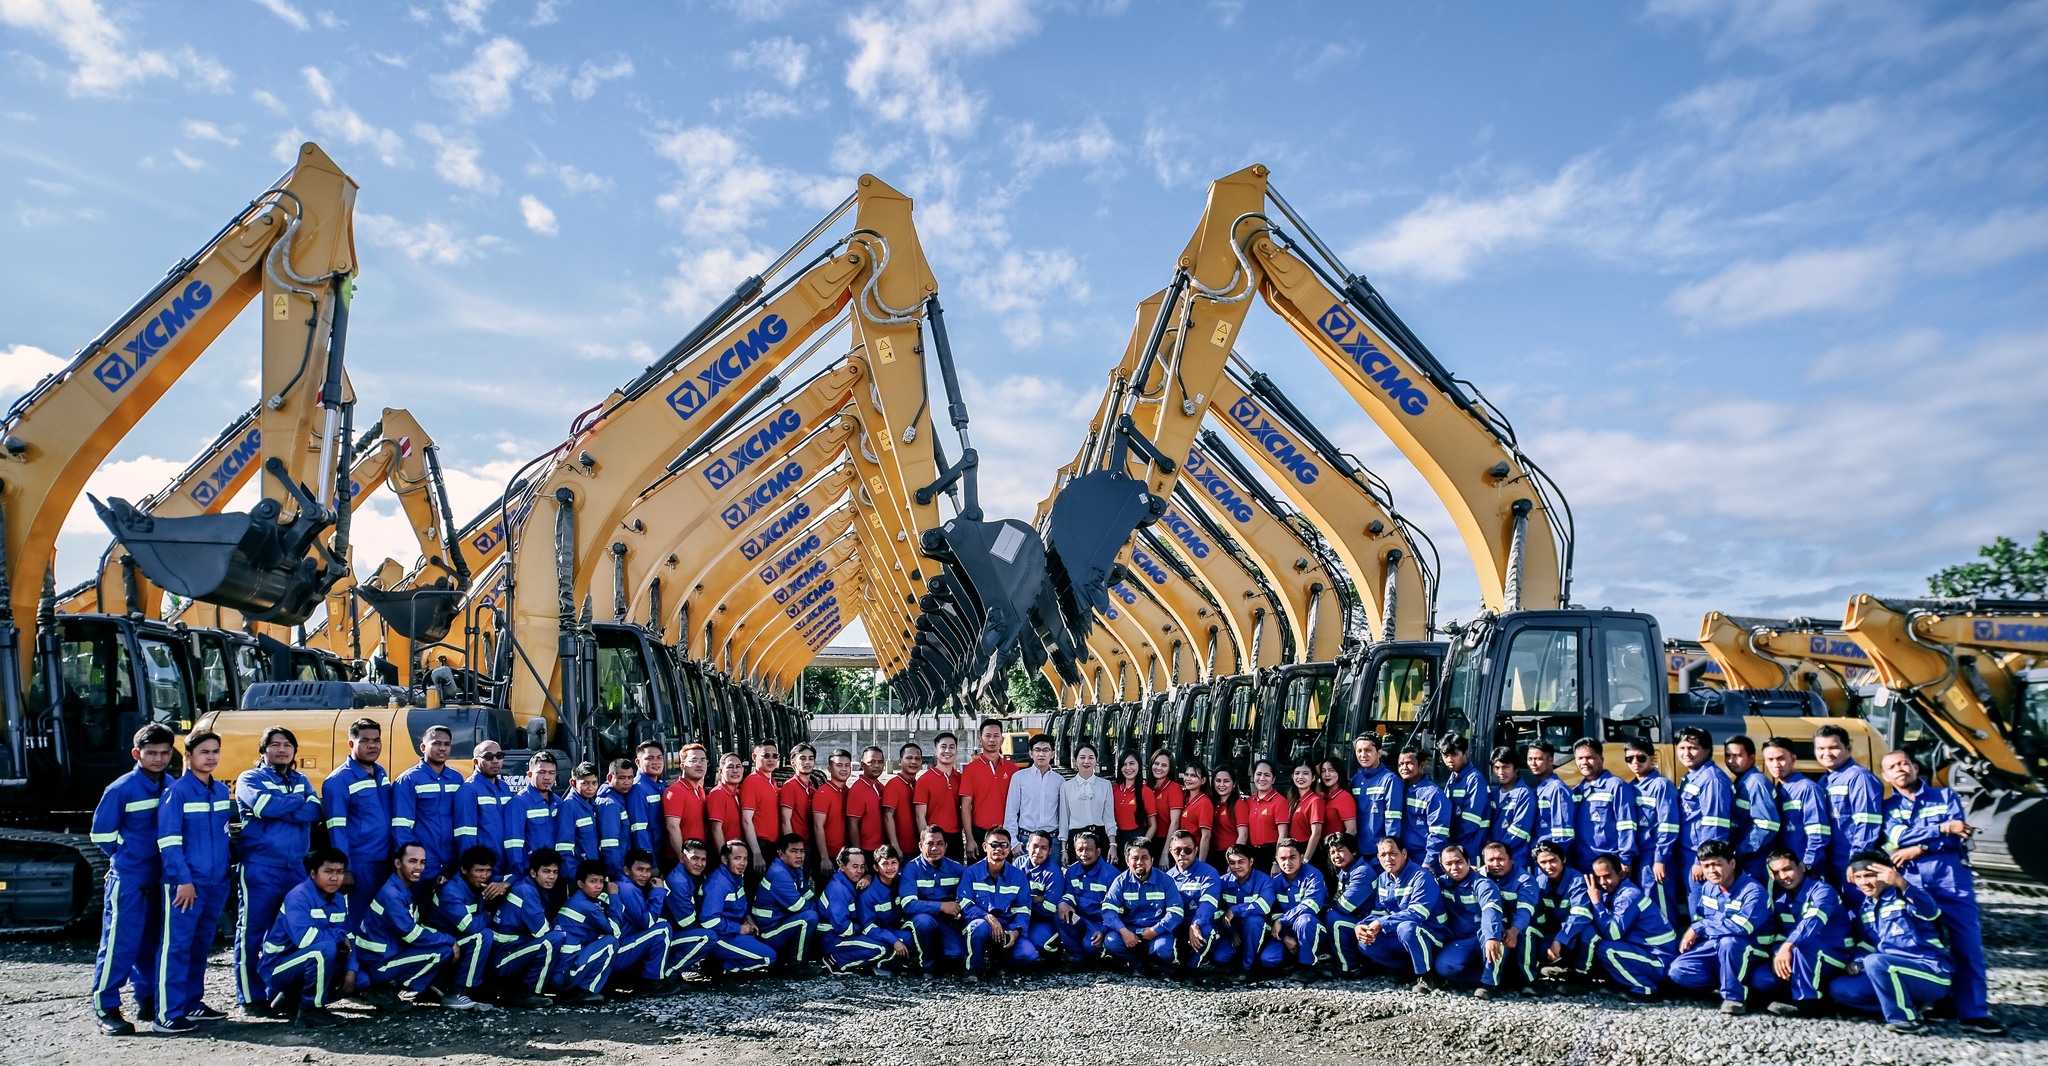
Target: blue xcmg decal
{"x": 761, "y": 495}
{"x": 1148, "y": 566}
{"x": 824, "y": 589}
{"x": 1184, "y": 531}
{"x": 2014, "y": 632}
{"x": 1220, "y": 490}
{"x": 1839, "y": 649}
{"x": 155, "y": 335}
{"x": 234, "y": 462}
{"x": 1377, "y": 365}
{"x": 797, "y": 583}
{"x": 490, "y": 538}
{"x": 749, "y": 451}
{"x": 790, "y": 558}
{"x": 1274, "y": 440}
{"x": 776, "y": 529}
{"x": 691, "y": 396}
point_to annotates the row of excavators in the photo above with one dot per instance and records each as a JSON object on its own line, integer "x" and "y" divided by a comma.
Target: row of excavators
{"x": 1210, "y": 574}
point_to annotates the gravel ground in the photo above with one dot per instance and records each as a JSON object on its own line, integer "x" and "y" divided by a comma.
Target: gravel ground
{"x": 1066, "y": 1018}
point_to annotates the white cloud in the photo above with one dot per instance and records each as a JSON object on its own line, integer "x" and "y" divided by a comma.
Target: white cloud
{"x": 207, "y": 131}
{"x": 1018, "y": 286}
{"x": 1444, "y": 239}
{"x": 424, "y": 242}
{"x": 539, "y": 218}
{"x": 1165, "y": 147}
{"x": 1090, "y": 144}
{"x": 270, "y": 103}
{"x": 782, "y": 58}
{"x": 706, "y": 276}
{"x": 1838, "y": 279}
{"x": 21, "y": 367}
{"x": 105, "y": 62}
{"x": 484, "y": 87}
{"x": 545, "y": 13}
{"x": 757, "y": 104}
{"x": 573, "y": 179}
{"x": 286, "y": 148}
{"x": 722, "y": 187}
{"x": 284, "y": 10}
{"x": 593, "y": 73}
{"x": 341, "y": 122}
{"x": 1034, "y": 423}
{"x": 468, "y": 14}
{"x": 317, "y": 83}
{"x": 906, "y": 59}
{"x": 1754, "y": 21}
{"x": 757, "y": 10}
{"x": 130, "y": 479}
{"x": 457, "y": 159}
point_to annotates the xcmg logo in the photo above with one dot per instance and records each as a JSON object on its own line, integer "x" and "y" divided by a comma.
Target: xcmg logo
{"x": 753, "y": 449}
{"x": 155, "y": 335}
{"x": 1677, "y": 661}
{"x": 2016, "y": 632}
{"x": 820, "y": 611}
{"x": 761, "y": 495}
{"x": 790, "y": 558}
{"x": 1376, "y": 364}
{"x": 691, "y": 396}
{"x": 1218, "y": 489}
{"x": 1184, "y": 532}
{"x": 824, "y": 589}
{"x": 233, "y": 463}
{"x": 799, "y": 582}
{"x": 1148, "y": 566}
{"x": 1838, "y": 649}
{"x": 777, "y": 529}
{"x": 825, "y": 628}
{"x": 1272, "y": 438}
{"x": 490, "y": 538}
{"x": 1124, "y": 594}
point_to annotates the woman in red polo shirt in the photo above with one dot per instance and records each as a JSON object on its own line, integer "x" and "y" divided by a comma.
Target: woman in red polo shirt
{"x": 1133, "y": 803}
{"x": 1340, "y": 809}
{"x": 1305, "y": 828}
{"x": 1267, "y": 814}
{"x": 1231, "y": 813}
{"x": 722, "y": 803}
{"x": 1199, "y": 816}
{"x": 1169, "y": 800}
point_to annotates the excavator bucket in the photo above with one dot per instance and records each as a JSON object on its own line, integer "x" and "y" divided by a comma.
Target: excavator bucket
{"x": 422, "y": 616}
{"x": 1091, "y": 521}
{"x": 250, "y": 562}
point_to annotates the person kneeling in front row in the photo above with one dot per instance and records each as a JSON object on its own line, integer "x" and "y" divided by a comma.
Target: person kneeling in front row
{"x": 304, "y": 957}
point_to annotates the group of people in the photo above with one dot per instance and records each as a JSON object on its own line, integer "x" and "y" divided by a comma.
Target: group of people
{"x": 1754, "y": 885}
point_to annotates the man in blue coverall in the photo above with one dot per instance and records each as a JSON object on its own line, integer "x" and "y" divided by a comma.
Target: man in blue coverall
{"x": 1633, "y": 940}
{"x": 1475, "y": 923}
{"x": 1199, "y": 885}
{"x": 357, "y": 802}
{"x": 1382, "y": 800}
{"x": 524, "y": 940}
{"x": 1514, "y": 809}
{"x": 1719, "y": 948}
{"x": 459, "y": 910}
{"x": 1855, "y": 803}
{"x": 1808, "y": 941}
{"x": 1471, "y": 798}
{"x": 1902, "y": 964}
{"x": 1928, "y": 840}
{"x": 1657, "y": 828}
{"x": 304, "y": 955}
{"x": 131, "y": 921}
{"x": 929, "y": 893}
{"x": 1299, "y": 896}
{"x": 423, "y": 807}
{"x": 392, "y": 946}
{"x": 192, "y": 835}
{"x": 1706, "y": 806}
{"x": 1405, "y": 926}
{"x": 785, "y": 907}
{"x": 278, "y": 809}
{"x": 1755, "y": 832}
{"x": 1244, "y": 913}
{"x": 1087, "y": 879}
{"x": 1142, "y": 911}
{"x": 996, "y": 902}
{"x": 1605, "y": 807}
{"x": 483, "y": 814}
{"x": 1557, "y": 812}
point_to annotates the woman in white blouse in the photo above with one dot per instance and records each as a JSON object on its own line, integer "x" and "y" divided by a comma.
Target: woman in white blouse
{"x": 1085, "y": 802}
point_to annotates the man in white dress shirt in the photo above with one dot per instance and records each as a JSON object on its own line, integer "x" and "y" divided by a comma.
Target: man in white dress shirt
{"x": 1035, "y": 793}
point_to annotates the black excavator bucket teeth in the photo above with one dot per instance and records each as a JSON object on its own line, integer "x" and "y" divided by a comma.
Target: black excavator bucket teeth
{"x": 250, "y": 562}
{"x": 1091, "y": 521}
{"x": 422, "y": 616}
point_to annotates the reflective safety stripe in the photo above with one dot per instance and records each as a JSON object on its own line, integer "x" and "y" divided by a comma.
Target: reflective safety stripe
{"x": 143, "y": 805}
{"x": 200, "y": 807}
{"x": 368, "y": 782}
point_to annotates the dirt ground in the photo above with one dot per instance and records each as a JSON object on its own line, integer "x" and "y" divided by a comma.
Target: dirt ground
{"x": 1042, "y": 1018}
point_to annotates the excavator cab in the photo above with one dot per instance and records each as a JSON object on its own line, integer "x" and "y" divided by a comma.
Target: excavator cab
{"x": 1384, "y": 691}
{"x": 1191, "y": 721}
{"x": 111, "y": 675}
{"x": 1295, "y": 703}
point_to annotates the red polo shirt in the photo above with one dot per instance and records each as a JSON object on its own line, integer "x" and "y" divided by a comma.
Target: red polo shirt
{"x": 987, "y": 782}
{"x": 940, "y": 794}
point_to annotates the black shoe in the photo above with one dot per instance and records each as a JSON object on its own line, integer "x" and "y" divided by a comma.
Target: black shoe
{"x": 318, "y": 1018}
{"x": 1425, "y": 983}
{"x": 577, "y": 997}
{"x": 1634, "y": 996}
{"x": 145, "y": 1009}
{"x": 283, "y": 1006}
{"x": 1734, "y": 1007}
{"x": 174, "y": 1027}
{"x": 1982, "y": 1027}
{"x": 1785, "y": 1008}
{"x": 1904, "y": 1028}
{"x": 384, "y": 999}
{"x": 113, "y": 1024}
{"x": 528, "y": 1001}
{"x": 204, "y": 1013}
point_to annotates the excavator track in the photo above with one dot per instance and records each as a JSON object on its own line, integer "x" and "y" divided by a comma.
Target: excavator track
{"x": 37, "y": 857}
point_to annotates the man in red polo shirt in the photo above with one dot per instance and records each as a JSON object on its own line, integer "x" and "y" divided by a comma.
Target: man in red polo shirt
{"x": 682, "y": 804}
{"x": 899, "y": 797}
{"x": 937, "y": 798}
{"x": 828, "y": 808}
{"x": 985, "y": 787}
{"x": 761, "y": 807}
{"x": 864, "y": 816}
{"x": 795, "y": 801}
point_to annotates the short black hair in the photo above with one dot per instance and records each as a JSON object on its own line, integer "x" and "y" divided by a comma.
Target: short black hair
{"x": 1391, "y": 839}
{"x": 1697, "y": 735}
{"x": 1717, "y": 849}
{"x": 542, "y": 858}
{"x": 1452, "y": 744}
{"x": 154, "y": 733}
{"x": 1340, "y": 840}
{"x": 590, "y": 870}
{"x": 1833, "y": 732}
{"x": 193, "y": 740}
{"x": 1543, "y": 746}
{"x": 1448, "y": 848}
{"x": 1504, "y": 755}
{"x": 476, "y": 855}
{"x": 908, "y": 747}
{"x": 1550, "y": 847}
{"x": 1585, "y": 742}
{"x": 583, "y": 770}
{"x": 944, "y": 734}
{"x": 1240, "y": 851}
{"x": 398, "y": 851}
{"x": 646, "y": 744}
{"x": 694, "y": 844}
{"x": 1781, "y": 744}
{"x": 1041, "y": 739}
{"x": 787, "y": 841}
{"x": 1867, "y": 858}
{"x": 1610, "y": 860}
{"x": 357, "y": 728}
{"x": 1781, "y": 853}
{"x": 1741, "y": 740}
{"x": 634, "y": 855}
{"x": 623, "y": 766}
{"x": 540, "y": 757}
{"x": 323, "y": 856}
{"x": 1640, "y": 746}
{"x": 986, "y": 722}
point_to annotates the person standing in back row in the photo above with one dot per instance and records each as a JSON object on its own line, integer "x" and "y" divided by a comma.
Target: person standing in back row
{"x": 1928, "y": 840}
{"x": 1035, "y": 793}
{"x": 278, "y": 808}
{"x": 899, "y": 799}
{"x": 423, "y": 808}
{"x": 985, "y": 787}
{"x": 1086, "y": 805}
{"x": 937, "y": 798}
{"x": 192, "y": 834}
{"x": 357, "y": 802}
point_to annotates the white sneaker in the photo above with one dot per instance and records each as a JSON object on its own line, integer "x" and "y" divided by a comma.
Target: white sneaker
{"x": 459, "y": 1001}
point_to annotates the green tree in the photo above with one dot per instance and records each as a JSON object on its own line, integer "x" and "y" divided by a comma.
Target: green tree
{"x": 1030, "y": 692}
{"x": 2007, "y": 569}
{"x": 828, "y": 690}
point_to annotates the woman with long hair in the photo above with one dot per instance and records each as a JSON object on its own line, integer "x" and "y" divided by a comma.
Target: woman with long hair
{"x": 1306, "y": 825}
{"x": 1169, "y": 800}
{"x": 1267, "y": 814}
{"x": 1133, "y": 806}
{"x": 1231, "y": 819}
{"x": 1340, "y": 808}
{"x": 1199, "y": 816}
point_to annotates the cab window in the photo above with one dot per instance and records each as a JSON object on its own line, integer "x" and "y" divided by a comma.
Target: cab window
{"x": 1401, "y": 689}
{"x": 1307, "y": 702}
{"x": 163, "y": 671}
{"x": 1628, "y": 679}
{"x": 1542, "y": 675}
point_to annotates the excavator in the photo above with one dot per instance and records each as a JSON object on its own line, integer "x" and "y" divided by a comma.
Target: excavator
{"x": 1973, "y": 669}
{"x": 74, "y": 689}
{"x": 1532, "y": 665}
{"x": 683, "y": 448}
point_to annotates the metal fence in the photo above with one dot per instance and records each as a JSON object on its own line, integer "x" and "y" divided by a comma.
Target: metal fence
{"x": 891, "y": 731}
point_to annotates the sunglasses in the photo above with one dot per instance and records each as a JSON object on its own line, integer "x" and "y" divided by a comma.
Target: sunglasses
{"x": 1635, "y": 758}
{"x": 491, "y": 755}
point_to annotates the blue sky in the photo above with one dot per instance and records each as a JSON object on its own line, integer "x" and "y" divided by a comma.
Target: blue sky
{"x": 1761, "y": 282}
